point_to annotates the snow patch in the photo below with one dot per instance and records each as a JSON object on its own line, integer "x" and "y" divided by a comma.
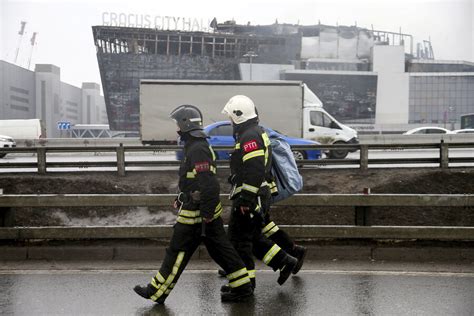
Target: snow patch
{"x": 138, "y": 216}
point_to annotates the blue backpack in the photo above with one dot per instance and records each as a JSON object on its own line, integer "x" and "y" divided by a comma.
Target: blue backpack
{"x": 284, "y": 169}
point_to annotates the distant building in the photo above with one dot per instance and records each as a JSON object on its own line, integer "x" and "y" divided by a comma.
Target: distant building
{"x": 373, "y": 80}
{"x": 41, "y": 94}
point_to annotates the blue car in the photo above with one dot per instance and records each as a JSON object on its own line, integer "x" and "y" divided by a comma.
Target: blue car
{"x": 220, "y": 134}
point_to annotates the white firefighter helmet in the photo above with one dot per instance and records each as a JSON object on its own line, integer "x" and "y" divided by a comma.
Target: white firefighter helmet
{"x": 240, "y": 109}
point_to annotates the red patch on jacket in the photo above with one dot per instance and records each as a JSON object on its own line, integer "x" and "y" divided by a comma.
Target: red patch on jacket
{"x": 250, "y": 146}
{"x": 202, "y": 166}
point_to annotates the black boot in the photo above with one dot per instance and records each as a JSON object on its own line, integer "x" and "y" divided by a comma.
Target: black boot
{"x": 226, "y": 288}
{"x": 289, "y": 263}
{"x": 299, "y": 252}
{"x": 147, "y": 292}
{"x": 237, "y": 294}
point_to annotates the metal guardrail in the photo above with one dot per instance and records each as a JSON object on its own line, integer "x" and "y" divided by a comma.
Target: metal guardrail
{"x": 361, "y": 202}
{"x": 390, "y": 138}
{"x": 72, "y": 200}
{"x": 42, "y": 164}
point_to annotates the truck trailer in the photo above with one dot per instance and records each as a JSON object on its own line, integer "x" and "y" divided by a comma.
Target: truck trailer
{"x": 288, "y": 107}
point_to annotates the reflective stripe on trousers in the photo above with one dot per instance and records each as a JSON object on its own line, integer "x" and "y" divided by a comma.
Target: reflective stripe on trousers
{"x": 164, "y": 286}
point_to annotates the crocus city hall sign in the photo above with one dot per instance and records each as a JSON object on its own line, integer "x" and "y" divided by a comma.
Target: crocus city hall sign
{"x": 158, "y": 22}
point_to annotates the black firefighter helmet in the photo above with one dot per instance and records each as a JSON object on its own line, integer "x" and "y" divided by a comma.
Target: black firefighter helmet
{"x": 189, "y": 120}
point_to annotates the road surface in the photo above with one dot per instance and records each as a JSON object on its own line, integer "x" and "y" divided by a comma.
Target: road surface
{"x": 313, "y": 291}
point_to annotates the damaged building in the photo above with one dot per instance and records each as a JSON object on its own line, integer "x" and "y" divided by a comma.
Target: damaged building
{"x": 338, "y": 63}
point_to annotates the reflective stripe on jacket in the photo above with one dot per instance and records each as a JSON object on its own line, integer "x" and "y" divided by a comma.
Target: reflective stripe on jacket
{"x": 197, "y": 173}
{"x": 251, "y": 161}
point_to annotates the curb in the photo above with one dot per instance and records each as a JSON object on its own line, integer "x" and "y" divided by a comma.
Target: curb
{"x": 130, "y": 252}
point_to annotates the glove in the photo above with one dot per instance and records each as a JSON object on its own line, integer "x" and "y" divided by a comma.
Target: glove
{"x": 207, "y": 216}
{"x": 245, "y": 206}
{"x": 207, "y": 220}
{"x": 177, "y": 204}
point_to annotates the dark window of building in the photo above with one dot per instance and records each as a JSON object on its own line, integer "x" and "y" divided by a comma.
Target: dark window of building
{"x": 348, "y": 98}
{"x": 19, "y": 90}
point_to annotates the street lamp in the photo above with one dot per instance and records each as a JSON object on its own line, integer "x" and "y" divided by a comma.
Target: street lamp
{"x": 250, "y": 54}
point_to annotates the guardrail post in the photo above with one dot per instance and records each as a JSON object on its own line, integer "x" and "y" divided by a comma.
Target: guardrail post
{"x": 121, "y": 160}
{"x": 364, "y": 157}
{"x": 444, "y": 154}
{"x": 41, "y": 156}
{"x": 6, "y": 215}
{"x": 362, "y": 213}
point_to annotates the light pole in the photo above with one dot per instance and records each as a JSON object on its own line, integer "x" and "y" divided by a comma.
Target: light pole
{"x": 369, "y": 109}
{"x": 250, "y": 54}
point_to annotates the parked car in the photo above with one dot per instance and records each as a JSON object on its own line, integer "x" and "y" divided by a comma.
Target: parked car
{"x": 220, "y": 134}
{"x": 464, "y": 131}
{"x": 6, "y": 142}
{"x": 427, "y": 130}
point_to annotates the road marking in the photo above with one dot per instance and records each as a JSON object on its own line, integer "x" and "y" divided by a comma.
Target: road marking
{"x": 391, "y": 273}
{"x": 325, "y": 272}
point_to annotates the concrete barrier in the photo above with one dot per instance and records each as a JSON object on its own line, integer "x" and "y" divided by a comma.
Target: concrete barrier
{"x": 299, "y": 232}
{"x": 388, "y": 139}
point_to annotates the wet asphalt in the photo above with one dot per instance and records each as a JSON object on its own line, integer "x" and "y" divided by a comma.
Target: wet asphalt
{"x": 311, "y": 292}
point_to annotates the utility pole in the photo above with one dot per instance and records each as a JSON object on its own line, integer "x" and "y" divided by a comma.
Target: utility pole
{"x": 21, "y": 32}
{"x": 250, "y": 54}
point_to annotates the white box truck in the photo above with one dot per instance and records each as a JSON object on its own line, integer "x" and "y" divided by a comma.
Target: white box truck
{"x": 289, "y": 107}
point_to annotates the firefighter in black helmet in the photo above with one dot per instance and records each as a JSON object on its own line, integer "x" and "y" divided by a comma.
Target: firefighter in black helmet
{"x": 199, "y": 217}
{"x": 252, "y": 186}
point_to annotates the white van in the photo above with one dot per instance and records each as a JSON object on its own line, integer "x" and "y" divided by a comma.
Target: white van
{"x": 319, "y": 125}
{"x": 22, "y": 129}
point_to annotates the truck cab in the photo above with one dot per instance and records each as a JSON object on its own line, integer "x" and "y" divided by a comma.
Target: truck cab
{"x": 320, "y": 126}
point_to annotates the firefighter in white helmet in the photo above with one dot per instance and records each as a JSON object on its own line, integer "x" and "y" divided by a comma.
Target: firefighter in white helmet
{"x": 252, "y": 185}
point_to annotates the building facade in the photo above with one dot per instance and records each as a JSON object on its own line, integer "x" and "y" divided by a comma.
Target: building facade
{"x": 371, "y": 80}
{"x": 396, "y": 94}
{"x": 41, "y": 94}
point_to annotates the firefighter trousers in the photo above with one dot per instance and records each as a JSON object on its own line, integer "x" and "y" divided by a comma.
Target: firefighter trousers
{"x": 275, "y": 233}
{"x": 184, "y": 242}
{"x": 270, "y": 229}
{"x": 245, "y": 233}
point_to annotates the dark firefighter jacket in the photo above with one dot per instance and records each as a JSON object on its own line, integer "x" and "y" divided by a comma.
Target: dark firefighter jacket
{"x": 197, "y": 173}
{"x": 251, "y": 161}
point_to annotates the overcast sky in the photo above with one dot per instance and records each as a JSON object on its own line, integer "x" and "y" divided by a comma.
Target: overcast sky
{"x": 65, "y": 36}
